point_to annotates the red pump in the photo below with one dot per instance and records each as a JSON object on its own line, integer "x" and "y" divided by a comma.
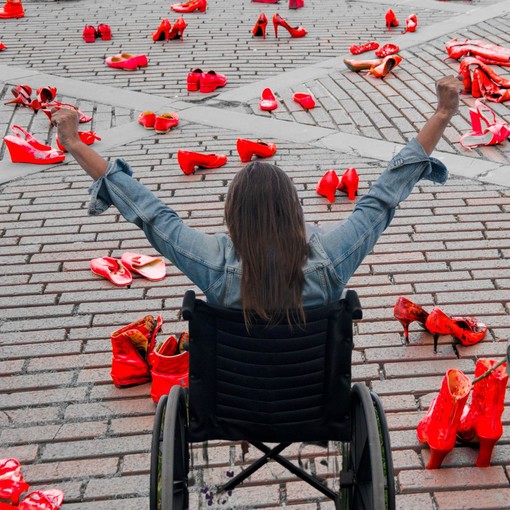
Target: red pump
{"x": 406, "y": 312}
{"x": 248, "y": 148}
{"x": 189, "y": 160}
{"x": 293, "y": 31}
{"x": 259, "y": 29}
{"x": 349, "y": 183}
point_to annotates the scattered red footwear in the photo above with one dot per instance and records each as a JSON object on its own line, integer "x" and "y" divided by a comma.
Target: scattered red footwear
{"x": 22, "y": 95}
{"x": 293, "y": 31}
{"x": 268, "y": 100}
{"x": 411, "y": 24}
{"x": 391, "y": 19}
{"x": 111, "y": 269}
{"x": 12, "y": 483}
{"x": 87, "y": 137}
{"x": 369, "y": 46}
{"x": 127, "y": 61}
{"x": 188, "y": 160}
{"x": 211, "y": 80}
{"x": 193, "y": 5}
{"x": 163, "y": 31}
{"x": 165, "y": 122}
{"x": 387, "y": 49}
{"x": 349, "y": 183}
{"x": 259, "y": 29}
{"x": 193, "y": 80}
{"x": 89, "y": 34}
{"x": 305, "y": 100}
{"x": 50, "y": 499}
{"x": 147, "y": 119}
{"x": 177, "y": 31}
{"x": 12, "y": 9}
{"x": 248, "y": 148}
{"x": 328, "y": 185}
{"x": 104, "y": 31}
{"x": 151, "y": 268}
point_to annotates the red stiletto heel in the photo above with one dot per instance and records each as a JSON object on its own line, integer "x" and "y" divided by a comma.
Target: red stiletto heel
{"x": 349, "y": 183}
{"x": 12, "y": 484}
{"x": 105, "y": 32}
{"x": 293, "y": 31}
{"x": 361, "y": 65}
{"x": 58, "y": 105}
{"x": 383, "y": 69}
{"x": 194, "y": 78}
{"x": 481, "y": 421}
{"x": 162, "y": 33}
{"x": 391, "y": 19}
{"x": 369, "y": 46}
{"x": 406, "y": 312}
{"x": 466, "y": 329}
{"x": 387, "y": 49}
{"x": 248, "y": 148}
{"x": 189, "y": 160}
{"x": 22, "y": 95}
{"x": 193, "y": 5}
{"x": 411, "y": 24}
{"x": 211, "y": 80}
{"x": 177, "y": 31}
{"x": 439, "y": 427}
{"x": 87, "y": 137}
{"x": 89, "y": 34}
{"x": 259, "y": 29}
{"x": 327, "y": 185}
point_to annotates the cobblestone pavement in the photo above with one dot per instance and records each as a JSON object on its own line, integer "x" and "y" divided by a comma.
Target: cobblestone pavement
{"x": 60, "y": 415}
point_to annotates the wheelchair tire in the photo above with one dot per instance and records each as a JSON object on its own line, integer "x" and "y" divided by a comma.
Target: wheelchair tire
{"x": 157, "y": 438}
{"x": 387, "y": 457}
{"x": 362, "y": 456}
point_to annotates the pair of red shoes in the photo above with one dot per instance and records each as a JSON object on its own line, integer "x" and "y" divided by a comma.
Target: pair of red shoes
{"x": 12, "y": 485}
{"x": 392, "y": 21}
{"x": 167, "y": 32}
{"x": 381, "y": 52}
{"x": 25, "y": 148}
{"x": 193, "y": 5}
{"x": 127, "y": 61}
{"x": 160, "y": 123}
{"x": 119, "y": 271}
{"x": 90, "y": 33}
{"x": 449, "y": 417}
{"x": 468, "y": 330}
{"x": 260, "y": 27}
{"x": 12, "y": 9}
{"x": 136, "y": 358}
{"x": 23, "y": 96}
{"x": 330, "y": 182}
{"x": 205, "y": 82}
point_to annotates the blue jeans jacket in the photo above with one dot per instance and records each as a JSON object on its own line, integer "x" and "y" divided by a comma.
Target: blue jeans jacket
{"x": 210, "y": 261}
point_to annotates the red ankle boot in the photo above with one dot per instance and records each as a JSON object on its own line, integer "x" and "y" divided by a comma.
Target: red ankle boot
{"x": 481, "y": 421}
{"x": 349, "y": 183}
{"x": 131, "y": 346}
{"x": 168, "y": 368}
{"x": 406, "y": 312}
{"x": 12, "y": 484}
{"x": 439, "y": 427}
{"x": 328, "y": 185}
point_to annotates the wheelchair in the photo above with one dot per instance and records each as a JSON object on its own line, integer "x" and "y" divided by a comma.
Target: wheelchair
{"x": 273, "y": 384}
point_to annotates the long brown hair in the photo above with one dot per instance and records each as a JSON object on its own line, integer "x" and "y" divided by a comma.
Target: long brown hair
{"x": 266, "y": 224}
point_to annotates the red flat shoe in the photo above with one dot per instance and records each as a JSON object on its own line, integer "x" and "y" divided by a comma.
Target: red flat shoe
{"x": 194, "y": 78}
{"x": 189, "y": 160}
{"x": 293, "y": 31}
{"x": 30, "y": 150}
{"x": 193, "y": 5}
{"x": 165, "y": 122}
{"x": 247, "y": 149}
{"x": 111, "y": 269}
{"x": 327, "y": 185}
{"x": 383, "y": 69}
{"x": 211, "y": 80}
{"x": 22, "y": 95}
{"x": 369, "y": 46}
{"x": 268, "y": 100}
{"x": 87, "y": 137}
{"x": 391, "y": 19}
{"x": 12, "y": 9}
{"x": 349, "y": 183}
{"x": 177, "y": 31}
{"x": 387, "y": 49}
{"x": 147, "y": 119}
{"x": 127, "y": 61}
{"x": 12, "y": 484}
{"x": 305, "y": 100}
{"x": 152, "y": 268}
{"x": 50, "y": 499}
{"x": 259, "y": 29}
{"x": 105, "y": 32}
{"x": 57, "y": 105}
{"x": 89, "y": 34}
{"x": 411, "y": 24}
{"x": 163, "y": 31}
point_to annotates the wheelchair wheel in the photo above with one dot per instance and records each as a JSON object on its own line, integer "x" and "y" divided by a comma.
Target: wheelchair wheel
{"x": 362, "y": 456}
{"x": 157, "y": 438}
{"x": 384, "y": 434}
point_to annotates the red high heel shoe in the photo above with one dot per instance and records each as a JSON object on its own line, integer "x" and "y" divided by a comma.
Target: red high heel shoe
{"x": 194, "y": 78}
{"x": 163, "y": 31}
{"x": 193, "y": 5}
{"x": 439, "y": 427}
{"x": 327, "y": 185}
{"x": 22, "y": 95}
{"x": 268, "y": 100}
{"x": 405, "y": 311}
{"x": 165, "y": 122}
{"x": 50, "y": 499}
{"x": 147, "y": 119}
{"x": 349, "y": 183}
{"x": 89, "y": 34}
{"x": 211, "y": 80}
{"x": 387, "y": 49}
{"x": 369, "y": 46}
{"x": 104, "y": 31}
{"x": 293, "y": 31}
{"x": 43, "y": 96}
{"x": 87, "y": 137}
{"x": 189, "y": 160}
{"x": 466, "y": 329}
{"x": 391, "y": 19}
{"x": 177, "y": 31}
{"x": 30, "y": 150}
{"x": 12, "y": 484}
{"x": 247, "y": 149}
{"x": 259, "y": 29}
{"x": 58, "y": 105}
{"x": 388, "y": 64}
{"x": 12, "y": 9}
{"x": 168, "y": 368}
{"x": 411, "y": 24}
{"x": 361, "y": 65}
{"x": 481, "y": 421}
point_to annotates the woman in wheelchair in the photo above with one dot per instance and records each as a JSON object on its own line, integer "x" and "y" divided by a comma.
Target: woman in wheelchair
{"x": 268, "y": 261}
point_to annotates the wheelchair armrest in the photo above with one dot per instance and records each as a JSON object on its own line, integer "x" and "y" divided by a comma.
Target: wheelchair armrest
{"x": 354, "y": 305}
{"x": 188, "y": 305}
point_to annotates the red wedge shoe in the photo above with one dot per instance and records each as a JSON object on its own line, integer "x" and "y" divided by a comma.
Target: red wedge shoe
{"x": 105, "y": 32}
{"x": 12, "y": 484}
{"x": 193, "y": 80}
{"x": 305, "y": 100}
{"x": 211, "y": 80}
{"x": 248, "y": 148}
{"x": 163, "y": 31}
{"x": 406, "y": 312}
{"x": 177, "y": 31}
{"x": 327, "y": 185}
{"x": 147, "y": 119}
{"x": 349, "y": 183}
{"x": 87, "y": 137}
{"x": 112, "y": 269}
{"x": 89, "y": 34}
{"x": 293, "y": 31}
{"x": 165, "y": 122}
{"x": 369, "y": 46}
{"x": 27, "y": 137}
{"x": 391, "y": 19}
{"x": 188, "y": 161}
{"x": 151, "y": 268}
{"x": 259, "y": 29}
{"x": 411, "y": 24}
{"x": 268, "y": 100}
{"x": 27, "y": 149}
{"x": 12, "y": 9}
{"x": 193, "y": 5}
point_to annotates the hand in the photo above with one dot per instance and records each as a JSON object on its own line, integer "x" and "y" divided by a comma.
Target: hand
{"x": 66, "y": 121}
{"x": 448, "y": 90}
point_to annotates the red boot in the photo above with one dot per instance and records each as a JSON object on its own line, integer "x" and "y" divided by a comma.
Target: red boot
{"x": 168, "y": 368}
{"x": 406, "y": 312}
{"x": 439, "y": 427}
{"x": 481, "y": 421}
{"x": 12, "y": 484}
{"x": 328, "y": 185}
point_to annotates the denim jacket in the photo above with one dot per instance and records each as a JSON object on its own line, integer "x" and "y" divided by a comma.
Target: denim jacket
{"x": 210, "y": 261}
